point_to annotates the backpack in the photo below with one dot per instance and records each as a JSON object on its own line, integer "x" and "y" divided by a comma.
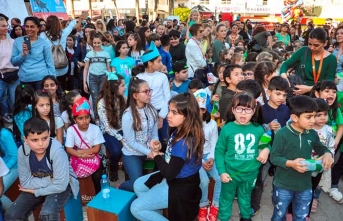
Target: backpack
{"x": 59, "y": 55}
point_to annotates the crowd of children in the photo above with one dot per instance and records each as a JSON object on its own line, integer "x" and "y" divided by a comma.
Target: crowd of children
{"x": 143, "y": 105}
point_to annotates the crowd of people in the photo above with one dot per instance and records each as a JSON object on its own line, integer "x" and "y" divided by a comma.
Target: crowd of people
{"x": 194, "y": 97}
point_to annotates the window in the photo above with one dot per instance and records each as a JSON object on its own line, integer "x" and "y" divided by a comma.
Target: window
{"x": 226, "y": 2}
{"x": 204, "y": 2}
{"x": 265, "y": 2}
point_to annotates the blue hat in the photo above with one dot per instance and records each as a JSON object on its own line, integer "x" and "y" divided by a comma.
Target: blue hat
{"x": 151, "y": 55}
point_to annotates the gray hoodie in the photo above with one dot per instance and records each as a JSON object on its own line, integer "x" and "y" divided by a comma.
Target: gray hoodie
{"x": 62, "y": 172}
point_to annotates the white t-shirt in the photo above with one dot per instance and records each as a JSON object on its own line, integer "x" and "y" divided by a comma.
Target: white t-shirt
{"x": 3, "y": 168}
{"x": 65, "y": 117}
{"x": 92, "y": 136}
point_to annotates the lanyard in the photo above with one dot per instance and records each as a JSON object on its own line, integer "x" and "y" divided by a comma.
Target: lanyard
{"x": 316, "y": 75}
{"x": 199, "y": 47}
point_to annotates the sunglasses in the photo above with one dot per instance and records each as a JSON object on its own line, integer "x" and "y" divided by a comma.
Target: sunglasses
{"x": 277, "y": 26}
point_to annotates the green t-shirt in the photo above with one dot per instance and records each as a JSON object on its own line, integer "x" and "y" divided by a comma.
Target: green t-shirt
{"x": 285, "y": 39}
{"x": 237, "y": 148}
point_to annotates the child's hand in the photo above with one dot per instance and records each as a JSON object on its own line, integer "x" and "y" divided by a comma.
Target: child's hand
{"x": 155, "y": 145}
{"x": 26, "y": 190}
{"x": 222, "y": 124}
{"x": 274, "y": 125}
{"x": 225, "y": 177}
{"x": 263, "y": 156}
{"x": 208, "y": 164}
{"x": 327, "y": 161}
{"x": 215, "y": 98}
{"x": 298, "y": 166}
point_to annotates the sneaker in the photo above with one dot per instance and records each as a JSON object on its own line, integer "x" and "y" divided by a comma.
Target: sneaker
{"x": 253, "y": 212}
{"x": 336, "y": 195}
{"x": 314, "y": 206}
{"x": 202, "y": 216}
{"x": 289, "y": 217}
{"x": 213, "y": 214}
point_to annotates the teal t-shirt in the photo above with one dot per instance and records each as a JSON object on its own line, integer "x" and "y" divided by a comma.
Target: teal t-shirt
{"x": 285, "y": 39}
{"x": 110, "y": 50}
{"x": 124, "y": 67}
{"x": 190, "y": 23}
{"x": 97, "y": 61}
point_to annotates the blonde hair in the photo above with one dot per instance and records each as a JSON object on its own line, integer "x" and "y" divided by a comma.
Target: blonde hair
{"x": 103, "y": 29}
{"x": 236, "y": 57}
{"x": 192, "y": 12}
{"x": 264, "y": 56}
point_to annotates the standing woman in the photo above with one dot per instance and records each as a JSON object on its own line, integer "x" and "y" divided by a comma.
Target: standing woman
{"x": 144, "y": 33}
{"x": 283, "y": 35}
{"x": 219, "y": 42}
{"x": 233, "y": 38}
{"x": 42, "y": 25}
{"x": 17, "y": 32}
{"x": 55, "y": 35}
{"x": 110, "y": 26}
{"x": 195, "y": 57}
{"x": 319, "y": 63}
{"x": 338, "y": 53}
{"x": 9, "y": 78}
{"x": 298, "y": 30}
{"x": 206, "y": 39}
{"x": 36, "y": 62}
{"x": 100, "y": 26}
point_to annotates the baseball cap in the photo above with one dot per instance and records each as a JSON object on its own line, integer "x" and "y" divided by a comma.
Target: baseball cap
{"x": 88, "y": 18}
{"x": 81, "y": 106}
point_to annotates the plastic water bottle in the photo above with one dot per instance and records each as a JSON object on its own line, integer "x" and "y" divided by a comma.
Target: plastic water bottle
{"x": 313, "y": 165}
{"x": 265, "y": 140}
{"x": 275, "y": 120}
{"x": 334, "y": 127}
{"x": 105, "y": 188}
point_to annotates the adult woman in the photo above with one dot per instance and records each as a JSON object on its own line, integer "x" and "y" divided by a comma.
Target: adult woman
{"x": 319, "y": 64}
{"x": 248, "y": 27}
{"x": 233, "y": 38}
{"x": 218, "y": 43}
{"x": 110, "y": 26}
{"x": 262, "y": 37}
{"x": 55, "y": 35}
{"x": 338, "y": 53}
{"x": 206, "y": 39}
{"x": 100, "y": 26}
{"x": 129, "y": 26}
{"x": 283, "y": 35}
{"x": 34, "y": 60}
{"x": 293, "y": 35}
{"x": 144, "y": 33}
{"x": 42, "y": 25}
{"x": 195, "y": 58}
{"x": 17, "y": 31}
{"x": 306, "y": 33}
{"x": 298, "y": 30}
{"x": 176, "y": 50}
{"x": 6, "y": 68}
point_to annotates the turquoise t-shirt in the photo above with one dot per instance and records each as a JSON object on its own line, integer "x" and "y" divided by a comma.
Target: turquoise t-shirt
{"x": 98, "y": 61}
{"x": 285, "y": 39}
{"x": 110, "y": 50}
{"x": 124, "y": 67}
{"x": 190, "y": 23}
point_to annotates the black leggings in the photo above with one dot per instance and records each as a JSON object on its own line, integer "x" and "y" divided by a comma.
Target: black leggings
{"x": 96, "y": 177}
{"x": 337, "y": 171}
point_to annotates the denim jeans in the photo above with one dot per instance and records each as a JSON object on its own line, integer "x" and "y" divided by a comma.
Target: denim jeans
{"x": 204, "y": 182}
{"x": 8, "y": 180}
{"x": 7, "y": 95}
{"x": 95, "y": 84}
{"x": 300, "y": 203}
{"x": 114, "y": 147}
{"x": 133, "y": 166}
{"x": 27, "y": 202}
{"x": 36, "y": 85}
{"x": 149, "y": 202}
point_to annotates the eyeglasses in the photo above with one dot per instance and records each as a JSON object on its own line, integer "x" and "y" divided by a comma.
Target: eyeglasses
{"x": 147, "y": 91}
{"x": 247, "y": 110}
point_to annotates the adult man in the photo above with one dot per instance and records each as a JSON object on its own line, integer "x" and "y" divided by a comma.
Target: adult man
{"x": 169, "y": 26}
{"x": 328, "y": 22}
{"x": 14, "y": 22}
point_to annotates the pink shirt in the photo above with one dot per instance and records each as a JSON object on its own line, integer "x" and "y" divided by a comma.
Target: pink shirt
{"x": 6, "y": 46}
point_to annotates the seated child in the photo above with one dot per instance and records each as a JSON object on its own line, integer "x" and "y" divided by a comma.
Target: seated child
{"x": 181, "y": 81}
{"x": 44, "y": 174}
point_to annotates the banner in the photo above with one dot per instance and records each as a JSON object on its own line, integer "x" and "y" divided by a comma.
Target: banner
{"x": 44, "y": 8}
{"x": 13, "y": 9}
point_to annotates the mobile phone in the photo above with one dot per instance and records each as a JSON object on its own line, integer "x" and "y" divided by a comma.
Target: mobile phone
{"x": 27, "y": 42}
{"x": 85, "y": 14}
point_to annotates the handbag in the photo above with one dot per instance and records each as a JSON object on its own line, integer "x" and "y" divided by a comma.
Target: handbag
{"x": 9, "y": 77}
{"x": 84, "y": 167}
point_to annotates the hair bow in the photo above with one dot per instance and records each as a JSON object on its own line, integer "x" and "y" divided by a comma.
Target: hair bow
{"x": 111, "y": 76}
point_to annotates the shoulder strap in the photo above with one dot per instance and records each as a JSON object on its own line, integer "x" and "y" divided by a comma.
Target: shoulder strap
{"x": 78, "y": 134}
{"x": 48, "y": 153}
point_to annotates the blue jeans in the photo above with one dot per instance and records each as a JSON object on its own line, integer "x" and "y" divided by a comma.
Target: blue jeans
{"x": 149, "y": 202}
{"x": 36, "y": 85}
{"x": 8, "y": 180}
{"x": 204, "y": 182}
{"x": 300, "y": 201}
{"x": 27, "y": 202}
{"x": 114, "y": 147}
{"x": 95, "y": 84}
{"x": 7, "y": 95}
{"x": 133, "y": 166}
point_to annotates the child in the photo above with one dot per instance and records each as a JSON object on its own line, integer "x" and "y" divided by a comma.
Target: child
{"x": 86, "y": 138}
{"x": 250, "y": 86}
{"x": 42, "y": 108}
{"x": 208, "y": 166}
{"x": 249, "y": 70}
{"x": 193, "y": 18}
{"x": 69, "y": 99}
{"x": 164, "y": 51}
{"x": 108, "y": 44}
{"x": 232, "y": 75}
{"x": 159, "y": 84}
{"x": 22, "y": 109}
{"x": 97, "y": 62}
{"x": 3, "y": 171}
{"x": 181, "y": 81}
{"x": 136, "y": 48}
{"x": 176, "y": 185}
{"x": 264, "y": 71}
{"x": 195, "y": 85}
{"x": 292, "y": 144}
{"x": 326, "y": 136}
{"x": 154, "y": 38}
{"x": 237, "y": 59}
{"x": 45, "y": 178}
{"x": 123, "y": 64}
{"x": 139, "y": 129}
{"x": 218, "y": 87}
{"x": 72, "y": 69}
{"x": 110, "y": 107}
{"x": 237, "y": 156}
{"x": 53, "y": 87}
{"x": 225, "y": 56}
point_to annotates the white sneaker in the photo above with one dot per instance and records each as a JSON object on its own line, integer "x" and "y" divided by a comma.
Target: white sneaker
{"x": 336, "y": 195}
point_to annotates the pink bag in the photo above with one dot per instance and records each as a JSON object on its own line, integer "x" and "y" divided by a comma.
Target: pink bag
{"x": 84, "y": 167}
